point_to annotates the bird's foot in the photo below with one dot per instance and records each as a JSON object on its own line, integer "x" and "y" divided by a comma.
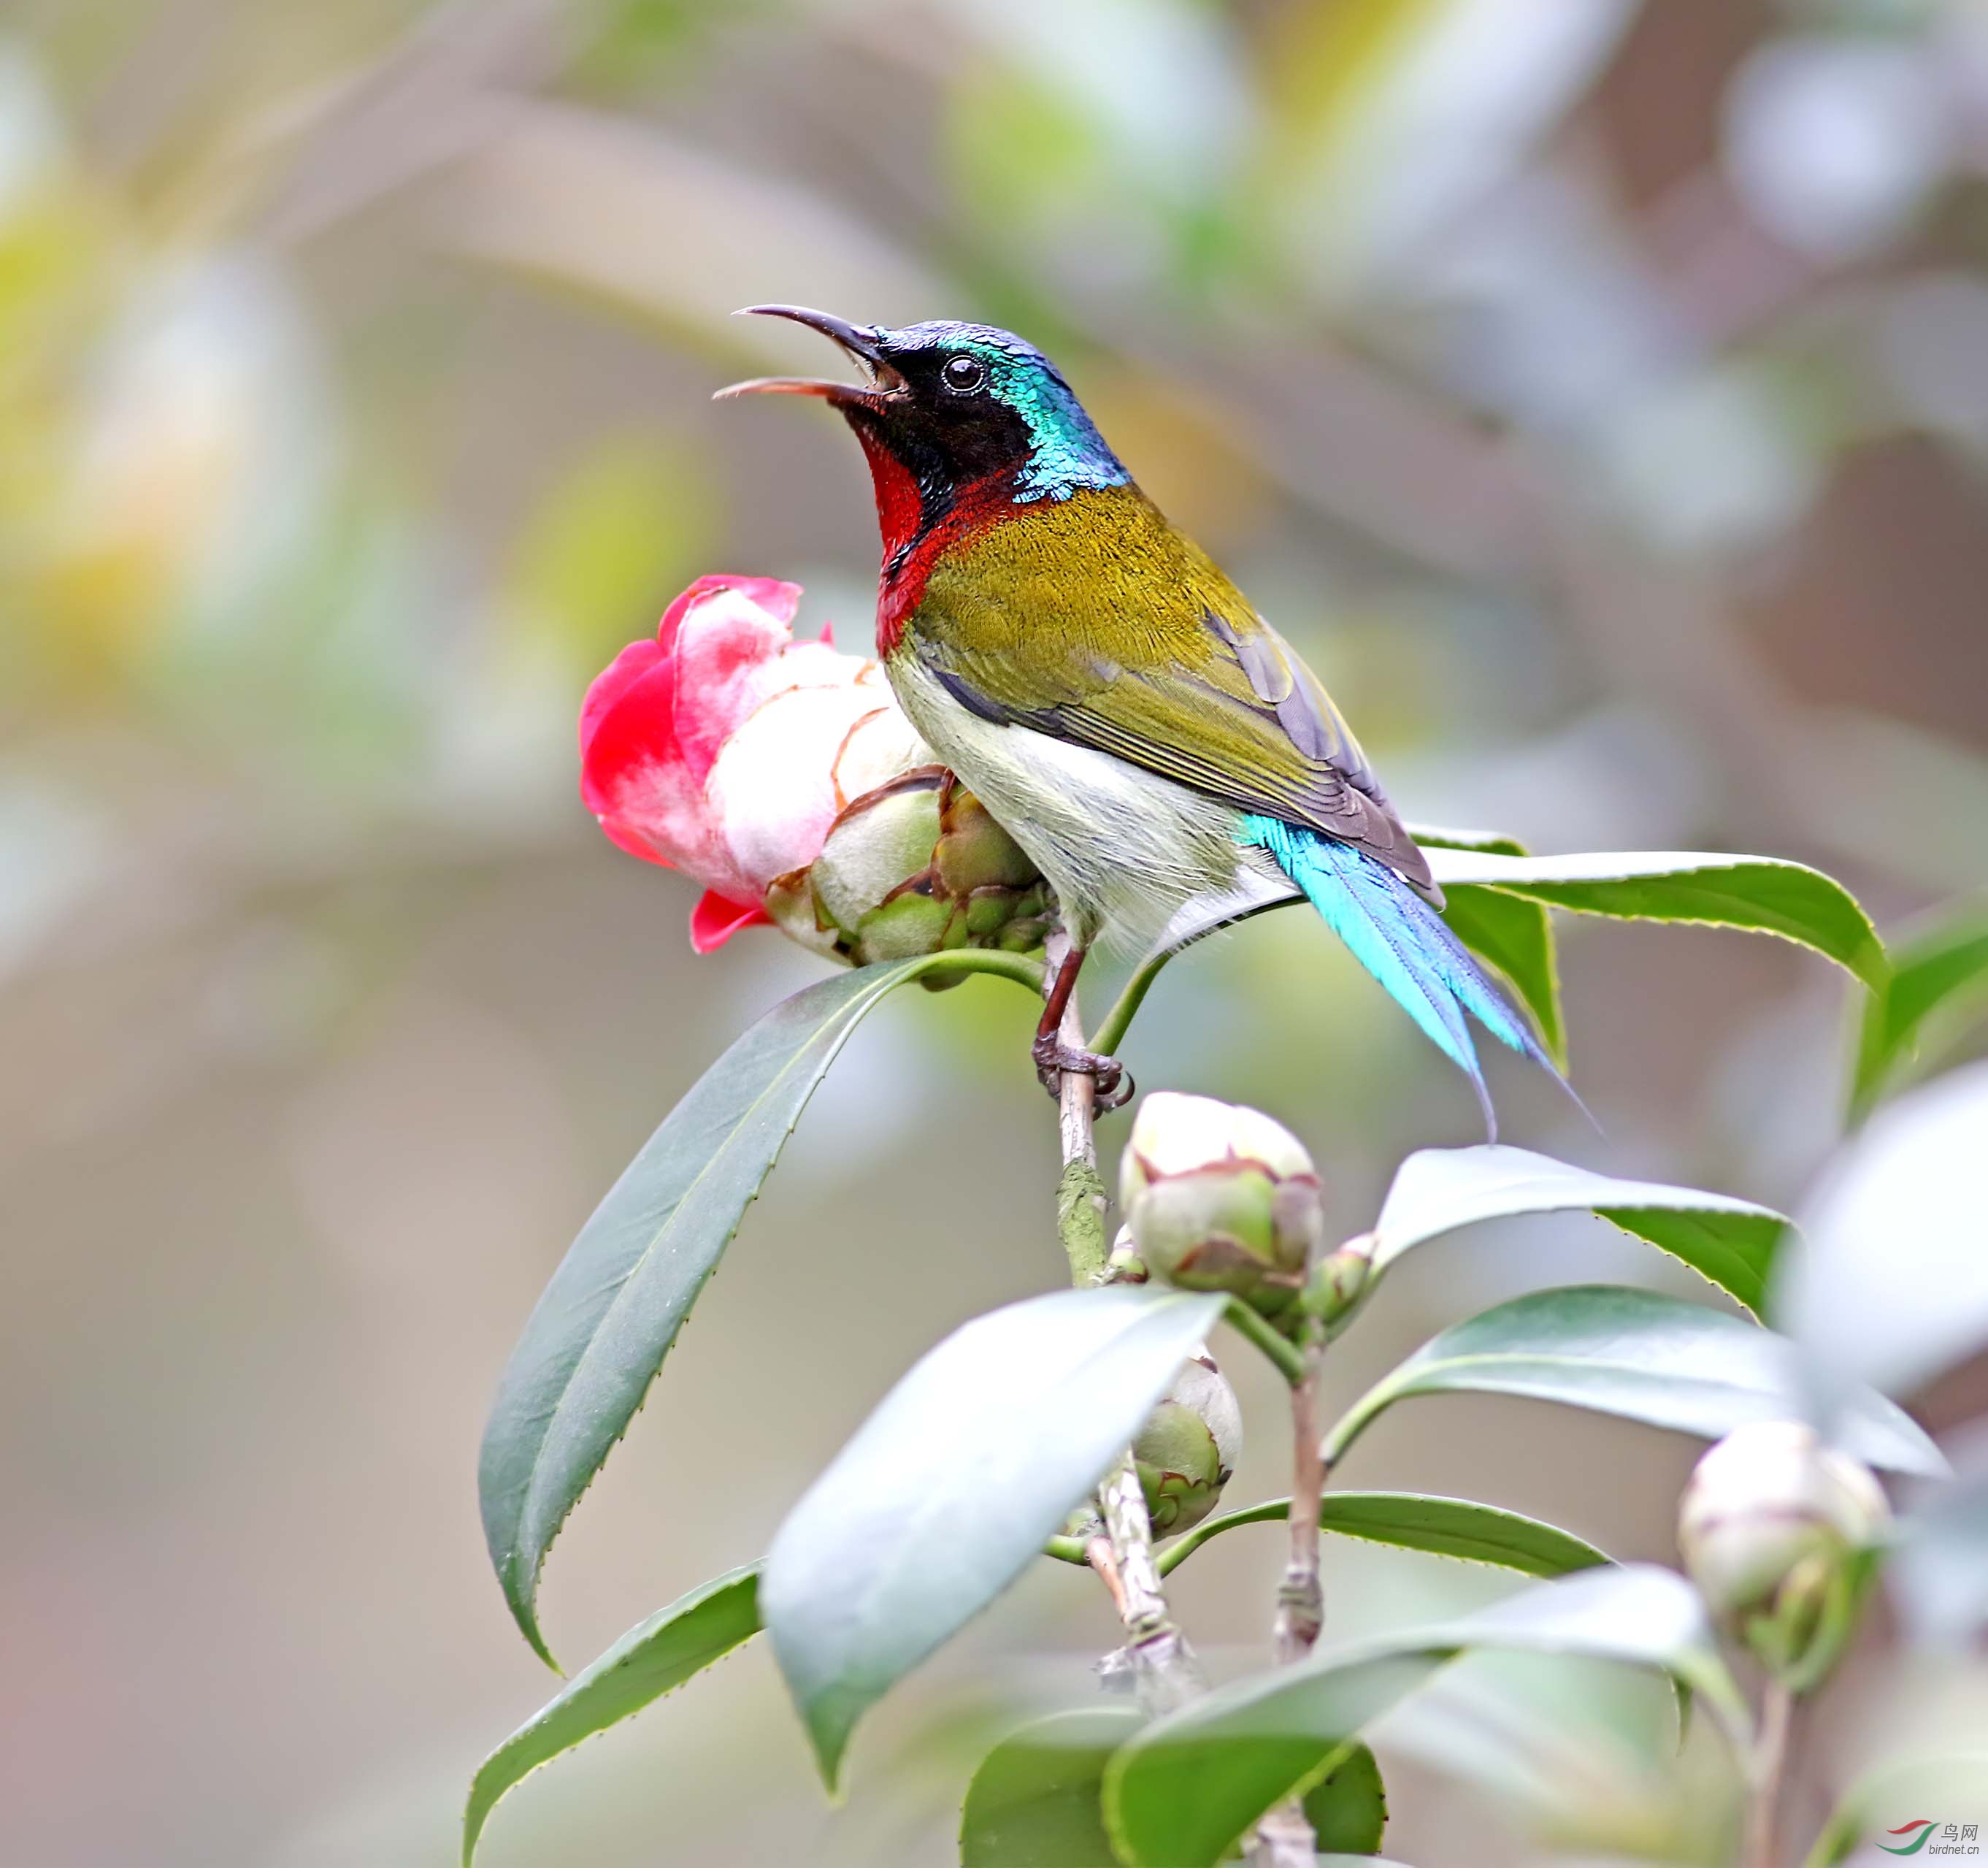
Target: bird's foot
{"x": 1053, "y": 1057}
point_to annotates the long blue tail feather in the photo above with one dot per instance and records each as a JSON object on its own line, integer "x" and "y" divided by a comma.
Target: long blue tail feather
{"x": 1403, "y": 942}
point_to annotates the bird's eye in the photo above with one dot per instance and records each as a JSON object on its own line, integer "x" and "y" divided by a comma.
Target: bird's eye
{"x": 963, "y": 374}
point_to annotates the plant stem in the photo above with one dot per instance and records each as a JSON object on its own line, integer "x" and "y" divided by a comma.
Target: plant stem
{"x": 1182, "y": 1547}
{"x": 1301, "y": 1596}
{"x": 1284, "y": 1838}
{"x": 1080, "y": 1190}
{"x": 963, "y": 960}
{"x": 1164, "y": 1669}
{"x": 1118, "y": 1021}
{"x": 1769, "y": 1758}
{"x": 1246, "y": 1322}
{"x": 1081, "y": 1220}
{"x": 1111, "y": 1034}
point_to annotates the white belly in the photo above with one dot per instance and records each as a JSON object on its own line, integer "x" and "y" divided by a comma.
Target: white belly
{"x": 1136, "y": 860}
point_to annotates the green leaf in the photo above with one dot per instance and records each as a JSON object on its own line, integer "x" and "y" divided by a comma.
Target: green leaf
{"x": 1938, "y": 970}
{"x": 1638, "y": 1355}
{"x": 1937, "y": 1566}
{"x": 1584, "y": 1749}
{"x": 597, "y": 1337}
{"x": 1485, "y": 843}
{"x": 1761, "y": 894}
{"x": 1901, "y": 1790}
{"x": 1416, "y": 1521}
{"x": 1184, "y": 1791}
{"x": 1347, "y": 1808}
{"x": 951, "y": 1487}
{"x": 1889, "y": 1284}
{"x": 653, "y": 1658}
{"x": 1517, "y": 937}
{"x": 1438, "y": 1190}
{"x": 1514, "y": 935}
{"x": 1034, "y": 1802}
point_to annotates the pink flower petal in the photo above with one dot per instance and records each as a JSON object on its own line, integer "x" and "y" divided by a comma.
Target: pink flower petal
{"x": 634, "y": 779}
{"x": 724, "y": 748}
{"x": 624, "y": 837}
{"x": 633, "y": 724}
{"x": 778, "y": 599}
{"x": 728, "y": 655}
{"x": 714, "y": 920}
{"x": 637, "y": 660}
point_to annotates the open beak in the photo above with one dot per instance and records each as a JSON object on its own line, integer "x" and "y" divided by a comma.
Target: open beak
{"x": 863, "y": 342}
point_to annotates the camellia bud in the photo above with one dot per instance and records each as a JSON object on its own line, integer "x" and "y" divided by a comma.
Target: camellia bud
{"x": 1774, "y": 1526}
{"x": 1338, "y": 1282}
{"x": 1188, "y": 1447}
{"x": 1221, "y": 1198}
{"x": 1124, "y": 1266}
{"x": 915, "y": 865}
{"x": 782, "y": 775}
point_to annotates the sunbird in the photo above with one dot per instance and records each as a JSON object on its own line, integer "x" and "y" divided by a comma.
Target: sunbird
{"x": 1159, "y": 751}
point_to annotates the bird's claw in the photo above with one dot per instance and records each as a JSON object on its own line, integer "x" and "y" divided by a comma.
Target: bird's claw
{"x": 1115, "y": 1087}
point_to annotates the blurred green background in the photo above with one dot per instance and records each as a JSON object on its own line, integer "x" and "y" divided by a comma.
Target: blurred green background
{"x": 1598, "y": 393}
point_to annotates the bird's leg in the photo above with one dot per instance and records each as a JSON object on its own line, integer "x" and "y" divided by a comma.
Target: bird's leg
{"x": 1053, "y": 1057}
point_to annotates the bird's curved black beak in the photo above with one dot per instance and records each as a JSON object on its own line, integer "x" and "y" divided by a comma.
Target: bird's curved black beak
{"x": 863, "y": 342}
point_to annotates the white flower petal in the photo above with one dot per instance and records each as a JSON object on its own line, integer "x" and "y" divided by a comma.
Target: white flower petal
{"x": 882, "y": 744}
{"x": 1178, "y": 1134}
{"x": 771, "y": 790}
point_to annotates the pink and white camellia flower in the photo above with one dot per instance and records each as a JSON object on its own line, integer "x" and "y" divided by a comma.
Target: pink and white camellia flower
{"x": 726, "y": 749}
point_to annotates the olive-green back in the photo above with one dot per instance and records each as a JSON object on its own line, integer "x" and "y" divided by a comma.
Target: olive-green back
{"x": 1091, "y": 619}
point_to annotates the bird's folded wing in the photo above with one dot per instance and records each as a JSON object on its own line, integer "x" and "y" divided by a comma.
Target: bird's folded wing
{"x": 1248, "y": 723}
